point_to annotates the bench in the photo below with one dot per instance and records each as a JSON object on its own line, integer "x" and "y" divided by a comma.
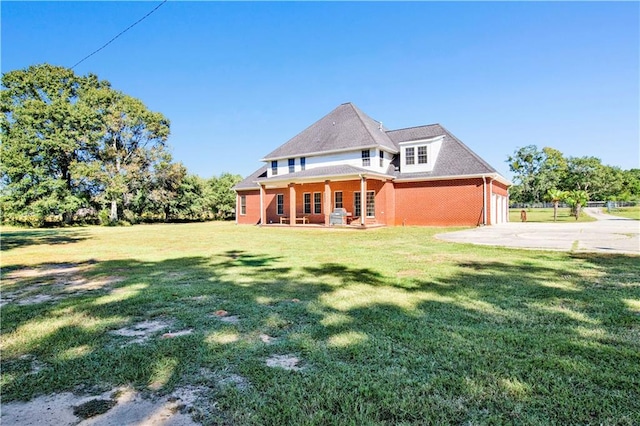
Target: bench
{"x": 304, "y": 220}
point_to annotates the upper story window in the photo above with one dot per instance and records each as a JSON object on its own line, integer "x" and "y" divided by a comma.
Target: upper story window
{"x": 274, "y": 167}
{"x": 410, "y": 155}
{"x": 303, "y": 163}
{"x": 292, "y": 165}
{"x": 381, "y": 158}
{"x": 422, "y": 154}
{"x": 366, "y": 157}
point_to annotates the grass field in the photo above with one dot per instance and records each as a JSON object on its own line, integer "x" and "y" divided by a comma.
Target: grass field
{"x": 628, "y": 212}
{"x": 546, "y": 215}
{"x": 383, "y": 327}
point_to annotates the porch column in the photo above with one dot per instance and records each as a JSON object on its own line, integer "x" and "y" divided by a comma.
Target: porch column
{"x": 292, "y": 204}
{"x": 363, "y": 200}
{"x": 327, "y": 203}
{"x": 263, "y": 214}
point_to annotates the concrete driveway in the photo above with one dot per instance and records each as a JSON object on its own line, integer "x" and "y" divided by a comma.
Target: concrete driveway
{"x": 610, "y": 234}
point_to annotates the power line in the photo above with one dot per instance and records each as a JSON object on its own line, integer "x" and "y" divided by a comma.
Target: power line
{"x": 121, "y": 32}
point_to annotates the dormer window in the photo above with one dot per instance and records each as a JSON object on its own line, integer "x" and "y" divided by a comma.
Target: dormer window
{"x": 381, "y": 158}
{"x": 410, "y": 155}
{"x": 366, "y": 157}
{"x": 419, "y": 156}
{"x": 303, "y": 163}
{"x": 422, "y": 154}
{"x": 274, "y": 167}
{"x": 292, "y": 165}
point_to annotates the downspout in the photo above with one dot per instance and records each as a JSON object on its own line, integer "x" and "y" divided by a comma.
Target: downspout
{"x": 237, "y": 206}
{"x": 484, "y": 200}
{"x": 491, "y": 198}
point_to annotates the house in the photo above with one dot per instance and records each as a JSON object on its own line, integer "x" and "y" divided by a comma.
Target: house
{"x": 415, "y": 176}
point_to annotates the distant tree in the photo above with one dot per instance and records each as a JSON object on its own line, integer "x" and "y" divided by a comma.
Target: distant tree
{"x": 556, "y": 196}
{"x": 553, "y": 169}
{"x": 586, "y": 174}
{"x": 222, "y": 198}
{"x": 526, "y": 163}
{"x": 165, "y": 187}
{"x": 630, "y": 185}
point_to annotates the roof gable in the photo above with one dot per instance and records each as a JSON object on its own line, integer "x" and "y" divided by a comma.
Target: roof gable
{"x": 344, "y": 128}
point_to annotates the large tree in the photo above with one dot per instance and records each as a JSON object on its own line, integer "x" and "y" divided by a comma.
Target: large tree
{"x": 69, "y": 141}
{"x": 47, "y": 130}
{"x": 131, "y": 140}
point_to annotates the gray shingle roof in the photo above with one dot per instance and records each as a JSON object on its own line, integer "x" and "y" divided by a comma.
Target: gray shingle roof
{"x": 249, "y": 181}
{"x": 454, "y": 159}
{"x": 346, "y": 127}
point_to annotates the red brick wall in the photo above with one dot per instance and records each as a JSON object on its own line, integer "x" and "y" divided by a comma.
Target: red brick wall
{"x": 499, "y": 188}
{"x": 433, "y": 203}
{"x": 440, "y": 203}
{"x": 253, "y": 207}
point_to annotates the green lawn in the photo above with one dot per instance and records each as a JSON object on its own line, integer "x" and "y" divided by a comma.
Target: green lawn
{"x": 628, "y": 212}
{"x": 546, "y": 215}
{"x": 390, "y": 326}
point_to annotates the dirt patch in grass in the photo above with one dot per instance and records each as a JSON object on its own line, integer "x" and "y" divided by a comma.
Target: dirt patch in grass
{"x": 52, "y": 282}
{"x": 142, "y": 331}
{"x": 287, "y": 362}
{"x": 177, "y": 334}
{"x": 120, "y": 406}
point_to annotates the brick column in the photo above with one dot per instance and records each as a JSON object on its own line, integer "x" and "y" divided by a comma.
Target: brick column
{"x": 263, "y": 213}
{"x": 363, "y": 200}
{"x": 292, "y": 204}
{"x": 327, "y": 203}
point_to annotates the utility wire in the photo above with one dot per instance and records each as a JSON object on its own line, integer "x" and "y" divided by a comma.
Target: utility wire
{"x": 121, "y": 32}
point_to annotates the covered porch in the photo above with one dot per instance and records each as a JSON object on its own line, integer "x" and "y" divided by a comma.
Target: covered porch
{"x": 309, "y": 202}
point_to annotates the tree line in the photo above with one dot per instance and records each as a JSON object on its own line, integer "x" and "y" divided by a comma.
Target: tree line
{"x": 74, "y": 149}
{"x": 547, "y": 175}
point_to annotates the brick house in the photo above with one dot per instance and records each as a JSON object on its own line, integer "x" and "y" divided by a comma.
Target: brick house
{"x": 416, "y": 176}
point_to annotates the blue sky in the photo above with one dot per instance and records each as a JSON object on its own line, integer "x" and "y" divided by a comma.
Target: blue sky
{"x": 239, "y": 79}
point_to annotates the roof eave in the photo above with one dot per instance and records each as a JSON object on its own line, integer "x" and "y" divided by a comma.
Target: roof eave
{"x": 334, "y": 151}
{"x": 322, "y": 178}
{"x": 495, "y": 176}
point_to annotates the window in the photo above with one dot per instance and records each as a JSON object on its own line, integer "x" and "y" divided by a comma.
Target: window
{"x": 303, "y": 163}
{"x": 307, "y": 203}
{"x": 422, "y": 155}
{"x": 280, "y": 204}
{"x": 317, "y": 202}
{"x": 274, "y": 167}
{"x": 337, "y": 196}
{"x": 409, "y": 155}
{"x": 381, "y": 158}
{"x": 366, "y": 157}
{"x": 243, "y": 205}
{"x": 371, "y": 203}
{"x": 292, "y": 165}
